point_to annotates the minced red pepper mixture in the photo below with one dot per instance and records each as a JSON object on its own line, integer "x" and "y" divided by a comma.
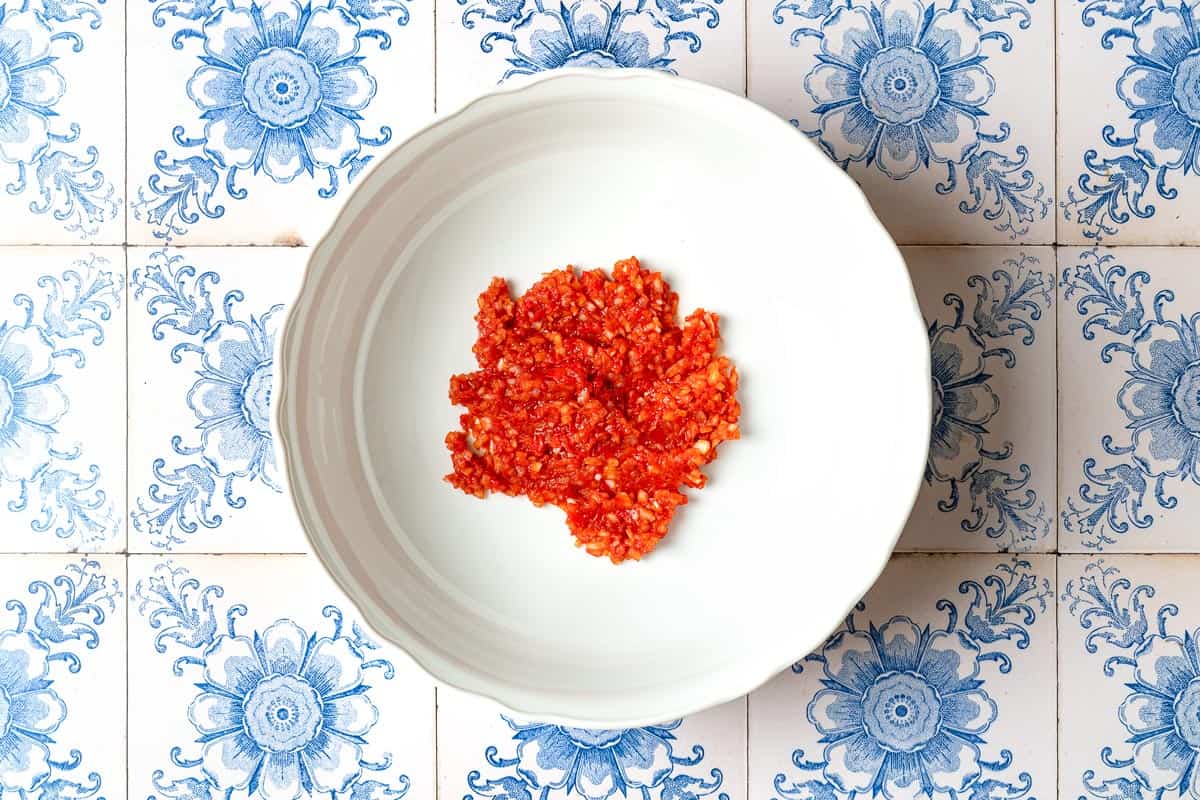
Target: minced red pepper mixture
{"x": 591, "y": 397}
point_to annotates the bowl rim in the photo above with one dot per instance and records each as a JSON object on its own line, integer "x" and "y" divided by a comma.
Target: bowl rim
{"x": 748, "y": 674}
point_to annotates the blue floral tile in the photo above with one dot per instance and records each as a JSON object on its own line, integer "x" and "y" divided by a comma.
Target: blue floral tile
{"x": 942, "y": 111}
{"x": 256, "y": 679}
{"x": 62, "y": 115}
{"x": 991, "y": 473}
{"x": 1128, "y": 122}
{"x": 488, "y": 753}
{"x": 940, "y": 684}
{"x": 62, "y": 401}
{"x": 1129, "y": 408}
{"x": 484, "y": 42}
{"x": 258, "y": 116}
{"x": 204, "y": 466}
{"x": 62, "y": 677}
{"x": 1129, "y": 710}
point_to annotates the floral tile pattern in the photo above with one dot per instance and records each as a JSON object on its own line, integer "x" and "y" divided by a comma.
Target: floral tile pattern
{"x": 1129, "y": 122}
{"x": 485, "y": 752}
{"x": 62, "y": 635}
{"x": 497, "y": 40}
{"x": 266, "y": 111}
{"x": 939, "y": 684}
{"x": 990, "y": 478}
{"x": 204, "y": 469}
{"x": 245, "y": 691}
{"x": 1128, "y": 333}
{"x": 1128, "y": 637}
{"x": 62, "y": 155}
{"x": 940, "y": 110}
{"x": 62, "y": 428}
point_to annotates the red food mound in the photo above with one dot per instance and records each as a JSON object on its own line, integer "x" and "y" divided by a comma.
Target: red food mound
{"x": 591, "y": 397}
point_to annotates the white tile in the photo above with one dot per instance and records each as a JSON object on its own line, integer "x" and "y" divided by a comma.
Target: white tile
{"x": 205, "y": 469}
{"x": 990, "y": 479}
{"x": 1129, "y": 478}
{"x": 62, "y": 397}
{"x": 63, "y": 623}
{"x": 191, "y": 615}
{"x": 987, "y": 630}
{"x": 1123, "y": 180}
{"x": 993, "y": 181}
{"x": 62, "y": 150}
{"x": 482, "y": 42}
{"x": 1127, "y": 711}
{"x": 241, "y": 176}
{"x": 485, "y": 751}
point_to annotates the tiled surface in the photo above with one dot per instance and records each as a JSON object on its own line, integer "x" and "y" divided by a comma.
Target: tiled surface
{"x": 203, "y": 475}
{"x": 62, "y": 646}
{"x": 62, "y": 466}
{"x": 978, "y": 167}
{"x": 196, "y": 623}
{"x": 967, "y": 641}
{"x": 991, "y": 472}
{"x": 62, "y": 145}
{"x": 1035, "y": 157}
{"x": 1126, "y": 142}
{"x": 203, "y": 169}
{"x": 1127, "y": 642}
{"x": 486, "y": 754}
{"x": 482, "y": 41}
{"x": 1128, "y": 343}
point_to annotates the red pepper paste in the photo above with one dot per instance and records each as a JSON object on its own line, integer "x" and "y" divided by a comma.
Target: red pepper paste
{"x": 591, "y": 397}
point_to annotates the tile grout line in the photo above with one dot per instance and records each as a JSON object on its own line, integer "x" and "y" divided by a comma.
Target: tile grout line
{"x": 128, "y": 351}
{"x": 124, "y": 523}
{"x": 125, "y": 86}
{"x": 125, "y": 509}
{"x": 1054, "y": 67}
{"x": 128, "y": 665}
{"x": 1058, "y": 780}
{"x": 1057, "y": 405}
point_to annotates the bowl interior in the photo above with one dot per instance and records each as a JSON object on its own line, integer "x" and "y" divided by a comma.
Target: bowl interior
{"x": 745, "y": 219}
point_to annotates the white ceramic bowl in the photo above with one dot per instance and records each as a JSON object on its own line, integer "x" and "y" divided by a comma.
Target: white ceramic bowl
{"x": 745, "y": 218}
